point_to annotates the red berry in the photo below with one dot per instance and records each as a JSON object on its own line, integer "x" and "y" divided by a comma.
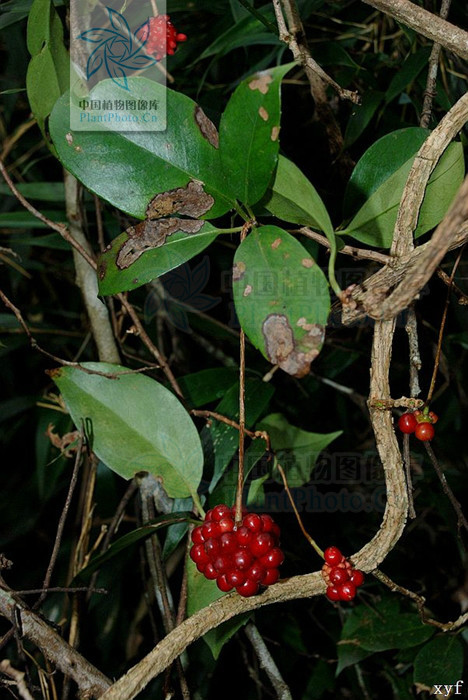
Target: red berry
{"x": 197, "y": 536}
{"x": 210, "y": 529}
{"x": 210, "y": 572}
{"x": 424, "y": 431}
{"x": 339, "y": 576}
{"x": 236, "y": 577}
{"x": 333, "y": 556}
{"x": 333, "y": 593}
{"x": 274, "y": 558}
{"x": 226, "y": 524}
{"x": 228, "y": 542}
{"x": 223, "y": 584}
{"x": 271, "y": 576}
{"x": 261, "y": 544}
{"x": 256, "y": 573}
{"x": 212, "y": 547}
{"x": 268, "y": 523}
{"x": 199, "y": 555}
{"x": 220, "y": 512}
{"x": 407, "y": 423}
{"x": 242, "y": 559}
{"x": 222, "y": 564}
{"x": 253, "y": 522}
{"x": 347, "y": 590}
{"x": 209, "y": 515}
{"x": 243, "y": 535}
{"x": 248, "y": 588}
{"x": 357, "y": 577}
{"x": 433, "y": 416}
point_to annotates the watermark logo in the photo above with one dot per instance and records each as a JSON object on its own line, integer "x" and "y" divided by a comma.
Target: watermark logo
{"x": 118, "y": 50}
{"x": 446, "y": 691}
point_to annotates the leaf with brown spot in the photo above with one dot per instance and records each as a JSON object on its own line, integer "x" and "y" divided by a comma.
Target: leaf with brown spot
{"x": 191, "y": 200}
{"x": 286, "y": 310}
{"x": 247, "y": 151}
{"x": 206, "y": 126}
{"x": 151, "y": 234}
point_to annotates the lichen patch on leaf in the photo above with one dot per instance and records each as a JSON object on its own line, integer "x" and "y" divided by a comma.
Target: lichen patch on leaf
{"x": 276, "y": 243}
{"x": 248, "y": 290}
{"x": 307, "y": 262}
{"x": 151, "y": 234}
{"x": 238, "y": 271}
{"x": 206, "y": 126}
{"x": 261, "y": 82}
{"x": 263, "y": 113}
{"x": 191, "y": 200}
{"x": 283, "y": 350}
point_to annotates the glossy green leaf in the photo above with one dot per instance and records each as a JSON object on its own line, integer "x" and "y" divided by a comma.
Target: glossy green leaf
{"x": 247, "y": 31}
{"x": 407, "y": 72}
{"x": 281, "y": 298}
{"x": 42, "y": 191}
{"x": 48, "y": 71}
{"x": 379, "y": 162}
{"x": 137, "y": 425}
{"x": 383, "y": 628}
{"x": 23, "y": 219}
{"x": 293, "y": 198}
{"x": 200, "y": 593}
{"x": 439, "y": 661}
{"x": 249, "y": 132}
{"x": 132, "y": 538}
{"x": 375, "y": 221}
{"x": 297, "y": 450}
{"x": 207, "y": 385}
{"x": 225, "y": 491}
{"x": 361, "y": 116}
{"x": 128, "y": 168}
{"x": 221, "y": 441}
{"x": 177, "y": 249}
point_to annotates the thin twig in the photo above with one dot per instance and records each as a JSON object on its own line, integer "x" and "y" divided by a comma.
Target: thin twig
{"x": 254, "y": 434}
{"x": 462, "y": 521}
{"x": 353, "y": 251}
{"x": 420, "y": 602}
{"x": 18, "y": 678}
{"x": 461, "y": 296}
{"x": 409, "y": 480}
{"x": 267, "y": 662}
{"x": 431, "y": 82}
{"x": 61, "y": 524}
{"x": 442, "y": 327}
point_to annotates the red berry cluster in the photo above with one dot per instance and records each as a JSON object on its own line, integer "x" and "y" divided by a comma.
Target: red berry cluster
{"x": 244, "y": 556}
{"x": 341, "y": 578}
{"x": 160, "y": 35}
{"x": 421, "y": 423}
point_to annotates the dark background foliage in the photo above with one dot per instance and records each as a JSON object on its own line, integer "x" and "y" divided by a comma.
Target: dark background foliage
{"x": 387, "y": 63}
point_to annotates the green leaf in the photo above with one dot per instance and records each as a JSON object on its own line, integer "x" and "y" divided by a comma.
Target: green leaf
{"x": 361, "y": 116}
{"x": 293, "y": 198}
{"x": 200, "y": 593}
{"x": 131, "y": 538}
{"x": 128, "y": 168}
{"x": 155, "y": 262}
{"x": 207, "y": 385}
{"x": 246, "y": 32}
{"x": 375, "y": 221}
{"x": 249, "y": 132}
{"x": 23, "y": 219}
{"x": 137, "y": 425}
{"x": 281, "y": 298}
{"x": 48, "y": 71}
{"x": 439, "y": 661}
{"x": 407, "y": 73}
{"x": 384, "y": 628}
{"x": 379, "y": 162}
{"x": 42, "y": 191}
{"x": 297, "y": 450}
{"x": 222, "y": 439}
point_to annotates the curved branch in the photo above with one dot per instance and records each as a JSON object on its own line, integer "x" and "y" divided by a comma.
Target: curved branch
{"x": 425, "y": 23}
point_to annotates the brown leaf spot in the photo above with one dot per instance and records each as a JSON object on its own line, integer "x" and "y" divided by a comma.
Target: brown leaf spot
{"x": 190, "y": 200}
{"x": 206, "y": 126}
{"x": 149, "y": 235}
{"x": 263, "y": 113}
{"x": 307, "y": 262}
{"x": 275, "y": 133}
{"x": 282, "y": 348}
{"x": 247, "y": 290}
{"x": 102, "y": 268}
{"x": 261, "y": 82}
{"x": 276, "y": 243}
{"x": 238, "y": 271}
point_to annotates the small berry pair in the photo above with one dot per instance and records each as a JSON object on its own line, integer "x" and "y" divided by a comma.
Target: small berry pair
{"x": 341, "y": 577}
{"x": 161, "y": 36}
{"x": 244, "y": 556}
{"x": 421, "y": 423}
